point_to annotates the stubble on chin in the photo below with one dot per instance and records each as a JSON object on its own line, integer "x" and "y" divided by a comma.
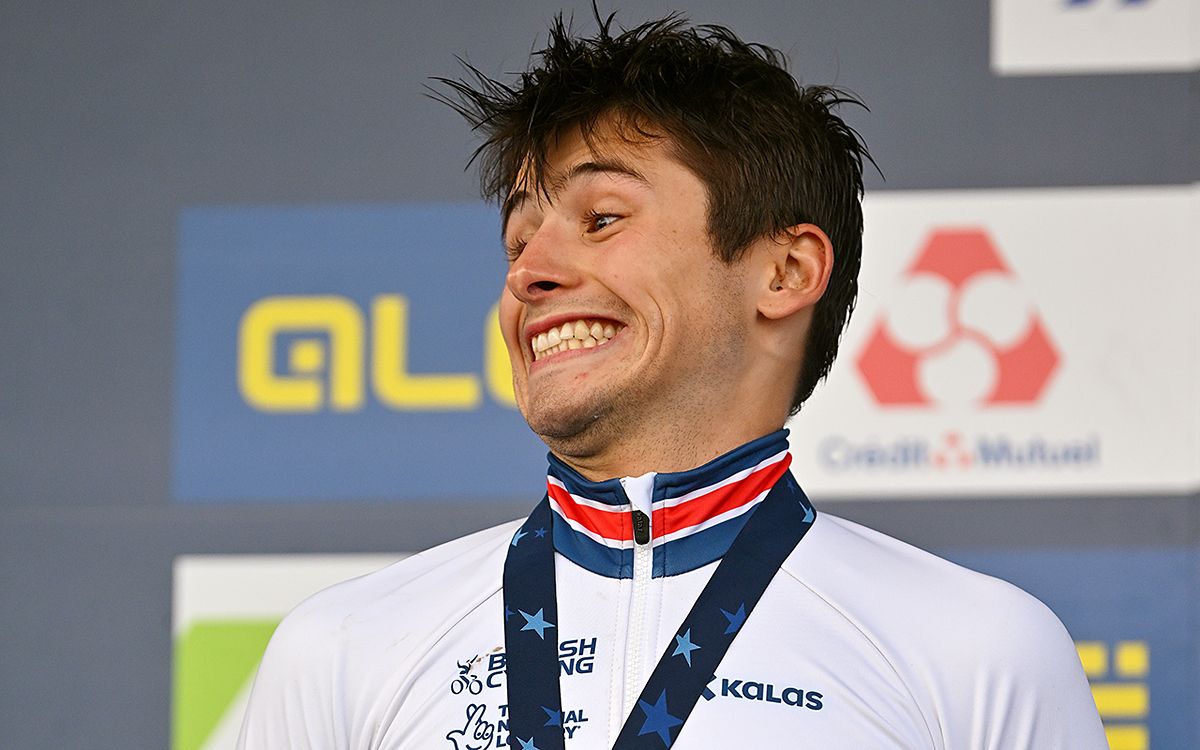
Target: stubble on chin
{"x": 573, "y": 431}
{"x": 585, "y": 425}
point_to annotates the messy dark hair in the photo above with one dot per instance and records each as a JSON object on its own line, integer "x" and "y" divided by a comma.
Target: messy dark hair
{"x": 771, "y": 153}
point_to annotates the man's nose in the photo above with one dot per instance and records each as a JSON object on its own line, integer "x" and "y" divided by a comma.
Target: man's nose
{"x": 545, "y": 265}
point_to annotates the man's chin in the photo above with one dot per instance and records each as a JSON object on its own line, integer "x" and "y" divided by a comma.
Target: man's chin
{"x": 583, "y": 422}
{"x": 567, "y": 428}
{"x": 561, "y": 426}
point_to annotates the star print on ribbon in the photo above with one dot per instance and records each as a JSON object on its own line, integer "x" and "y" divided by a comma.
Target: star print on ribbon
{"x": 719, "y": 615}
{"x": 684, "y": 646}
{"x": 658, "y": 719}
{"x": 735, "y": 619}
{"x": 535, "y": 622}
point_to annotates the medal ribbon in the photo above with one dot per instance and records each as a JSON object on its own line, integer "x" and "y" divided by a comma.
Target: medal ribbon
{"x": 682, "y": 675}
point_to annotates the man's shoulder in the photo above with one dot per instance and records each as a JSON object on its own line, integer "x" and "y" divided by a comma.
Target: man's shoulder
{"x": 433, "y": 586}
{"x": 344, "y": 651}
{"x": 905, "y": 597}
{"x": 971, "y": 650}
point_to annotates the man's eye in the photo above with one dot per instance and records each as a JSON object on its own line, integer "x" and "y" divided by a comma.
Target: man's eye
{"x": 598, "y": 222}
{"x": 513, "y": 250}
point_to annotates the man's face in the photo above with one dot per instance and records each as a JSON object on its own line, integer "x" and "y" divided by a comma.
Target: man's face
{"x": 619, "y": 318}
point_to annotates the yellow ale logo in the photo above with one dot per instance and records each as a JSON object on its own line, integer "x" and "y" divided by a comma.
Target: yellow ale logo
{"x": 332, "y": 355}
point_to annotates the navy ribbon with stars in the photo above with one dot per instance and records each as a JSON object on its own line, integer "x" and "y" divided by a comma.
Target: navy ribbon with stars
{"x": 691, "y": 659}
{"x": 531, "y": 637}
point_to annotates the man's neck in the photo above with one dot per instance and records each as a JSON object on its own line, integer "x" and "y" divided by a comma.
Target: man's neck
{"x": 673, "y": 452}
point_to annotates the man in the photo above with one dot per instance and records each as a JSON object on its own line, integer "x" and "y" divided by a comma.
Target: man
{"x": 683, "y": 229}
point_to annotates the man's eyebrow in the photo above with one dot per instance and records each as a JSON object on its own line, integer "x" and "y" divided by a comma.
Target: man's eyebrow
{"x": 600, "y": 166}
{"x": 557, "y": 183}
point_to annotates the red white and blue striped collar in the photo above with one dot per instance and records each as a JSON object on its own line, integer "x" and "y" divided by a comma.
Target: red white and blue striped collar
{"x": 694, "y": 516}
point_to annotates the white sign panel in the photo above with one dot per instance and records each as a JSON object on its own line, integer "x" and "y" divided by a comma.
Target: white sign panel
{"x": 1017, "y": 341}
{"x": 1051, "y": 37}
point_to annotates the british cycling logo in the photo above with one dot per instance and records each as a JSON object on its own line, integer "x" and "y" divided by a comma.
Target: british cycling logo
{"x": 960, "y": 333}
{"x": 575, "y": 657}
{"x": 481, "y": 730}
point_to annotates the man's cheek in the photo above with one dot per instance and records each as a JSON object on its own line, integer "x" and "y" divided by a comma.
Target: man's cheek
{"x": 509, "y": 319}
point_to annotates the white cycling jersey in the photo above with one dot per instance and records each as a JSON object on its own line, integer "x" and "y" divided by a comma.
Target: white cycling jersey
{"x": 859, "y": 642}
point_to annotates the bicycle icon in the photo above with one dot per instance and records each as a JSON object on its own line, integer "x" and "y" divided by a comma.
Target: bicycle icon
{"x": 465, "y": 680}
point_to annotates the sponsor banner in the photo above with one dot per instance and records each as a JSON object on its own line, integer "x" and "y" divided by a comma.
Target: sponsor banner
{"x": 1005, "y": 341}
{"x": 1128, "y": 610}
{"x": 1040, "y": 37}
{"x": 1017, "y": 341}
{"x": 343, "y": 353}
{"x": 224, "y": 611}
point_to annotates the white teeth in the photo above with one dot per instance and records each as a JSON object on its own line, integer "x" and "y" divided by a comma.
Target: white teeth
{"x": 578, "y": 334}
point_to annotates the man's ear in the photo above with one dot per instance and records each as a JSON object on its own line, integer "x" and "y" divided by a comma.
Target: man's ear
{"x": 801, "y": 260}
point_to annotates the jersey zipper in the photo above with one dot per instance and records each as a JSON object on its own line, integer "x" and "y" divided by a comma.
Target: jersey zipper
{"x": 643, "y": 558}
{"x": 639, "y": 492}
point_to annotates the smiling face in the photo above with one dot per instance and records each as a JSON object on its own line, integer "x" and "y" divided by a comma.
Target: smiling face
{"x": 628, "y": 337}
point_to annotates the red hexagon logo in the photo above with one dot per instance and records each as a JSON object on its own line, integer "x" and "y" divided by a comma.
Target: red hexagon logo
{"x": 961, "y": 331}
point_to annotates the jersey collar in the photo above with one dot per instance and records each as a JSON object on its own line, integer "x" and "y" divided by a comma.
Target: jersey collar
{"x": 695, "y": 514}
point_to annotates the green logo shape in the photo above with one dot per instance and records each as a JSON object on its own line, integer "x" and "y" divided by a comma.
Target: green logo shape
{"x": 213, "y": 661}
